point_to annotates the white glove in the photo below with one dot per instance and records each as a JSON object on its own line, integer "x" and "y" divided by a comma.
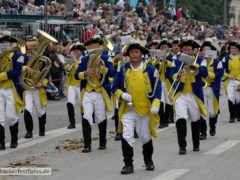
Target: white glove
{"x": 154, "y": 110}
{"x": 126, "y": 97}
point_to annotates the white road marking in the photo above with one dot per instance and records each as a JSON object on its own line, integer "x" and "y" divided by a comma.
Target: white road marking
{"x": 223, "y": 147}
{"x": 171, "y": 174}
{"x": 25, "y": 143}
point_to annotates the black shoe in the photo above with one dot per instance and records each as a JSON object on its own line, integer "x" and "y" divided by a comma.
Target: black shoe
{"x": 127, "y": 169}
{"x": 232, "y": 121}
{"x": 195, "y": 148}
{"x": 150, "y": 167}
{"x": 2, "y": 146}
{"x": 14, "y": 135}
{"x": 28, "y": 135}
{"x": 212, "y": 132}
{"x": 42, "y": 133}
{"x": 86, "y": 149}
{"x": 102, "y": 147}
{"x": 161, "y": 126}
{"x": 13, "y": 145}
{"x": 42, "y": 122}
{"x": 203, "y": 137}
{"x": 182, "y": 151}
{"x": 238, "y": 119}
{"x": 118, "y": 137}
{"x": 71, "y": 126}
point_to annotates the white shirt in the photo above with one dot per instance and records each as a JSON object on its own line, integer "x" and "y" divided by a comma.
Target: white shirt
{"x": 137, "y": 68}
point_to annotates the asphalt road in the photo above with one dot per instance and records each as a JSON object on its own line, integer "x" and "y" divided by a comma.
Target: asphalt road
{"x": 218, "y": 158}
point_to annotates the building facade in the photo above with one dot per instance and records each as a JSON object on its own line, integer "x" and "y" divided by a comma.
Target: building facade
{"x": 235, "y": 12}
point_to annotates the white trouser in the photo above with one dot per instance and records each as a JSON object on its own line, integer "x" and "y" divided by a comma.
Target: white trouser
{"x": 186, "y": 107}
{"x": 7, "y": 107}
{"x": 93, "y": 102}
{"x": 233, "y": 94}
{"x": 130, "y": 120}
{"x": 32, "y": 97}
{"x": 208, "y": 101}
{"x": 73, "y": 95}
{"x": 164, "y": 98}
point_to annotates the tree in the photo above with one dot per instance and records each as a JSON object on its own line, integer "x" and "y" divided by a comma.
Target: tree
{"x": 210, "y": 11}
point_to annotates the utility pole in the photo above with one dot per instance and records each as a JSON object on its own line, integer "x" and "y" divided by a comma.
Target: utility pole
{"x": 45, "y": 16}
{"x": 225, "y": 13}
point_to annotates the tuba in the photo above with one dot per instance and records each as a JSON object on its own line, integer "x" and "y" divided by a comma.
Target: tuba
{"x": 95, "y": 62}
{"x": 38, "y": 63}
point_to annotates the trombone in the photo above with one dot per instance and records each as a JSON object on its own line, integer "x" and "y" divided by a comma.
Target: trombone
{"x": 178, "y": 81}
{"x": 191, "y": 69}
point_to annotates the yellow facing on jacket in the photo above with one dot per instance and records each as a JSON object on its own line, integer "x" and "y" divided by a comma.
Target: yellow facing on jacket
{"x": 141, "y": 103}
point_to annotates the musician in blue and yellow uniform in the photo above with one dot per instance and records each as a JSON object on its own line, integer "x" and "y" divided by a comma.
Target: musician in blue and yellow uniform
{"x": 188, "y": 99}
{"x": 95, "y": 92}
{"x": 211, "y": 90}
{"x": 153, "y": 45}
{"x": 232, "y": 83}
{"x": 73, "y": 85}
{"x": 11, "y": 102}
{"x": 35, "y": 97}
{"x": 138, "y": 88}
{"x": 164, "y": 64}
{"x": 176, "y": 50}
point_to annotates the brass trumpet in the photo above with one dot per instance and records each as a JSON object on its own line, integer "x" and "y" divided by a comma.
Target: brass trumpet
{"x": 192, "y": 69}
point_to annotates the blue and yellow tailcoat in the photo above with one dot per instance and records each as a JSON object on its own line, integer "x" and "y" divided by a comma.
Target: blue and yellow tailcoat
{"x": 105, "y": 89}
{"x": 164, "y": 71}
{"x": 232, "y": 67}
{"x": 150, "y": 77}
{"x": 71, "y": 80}
{"x": 41, "y": 90}
{"x": 215, "y": 73}
{"x": 9, "y": 77}
{"x": 195, "y": 81}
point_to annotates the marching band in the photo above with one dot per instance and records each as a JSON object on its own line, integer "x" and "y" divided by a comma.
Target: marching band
{"x": 160, "y": 83}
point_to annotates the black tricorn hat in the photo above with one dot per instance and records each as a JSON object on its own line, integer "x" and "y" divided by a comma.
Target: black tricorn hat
{"x": 78, "y": 46}
{"x": 153, "y": 43}
{"x": 8, "y": 38}
{"x": 191, "y": 43}
{"x": 165, "y": 42}
{"x": 233, "y": 43}
{"x": 136, "y": 46}
{"x": 93, "y": 41}
{"x": 209, "y": 44}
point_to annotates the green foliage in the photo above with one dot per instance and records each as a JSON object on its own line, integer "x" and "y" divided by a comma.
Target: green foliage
{"x": 103, "y": 1}
{"x": 211, "y": 11}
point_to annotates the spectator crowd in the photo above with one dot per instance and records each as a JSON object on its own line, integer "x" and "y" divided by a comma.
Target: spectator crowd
{"x": 116, "y": 20}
